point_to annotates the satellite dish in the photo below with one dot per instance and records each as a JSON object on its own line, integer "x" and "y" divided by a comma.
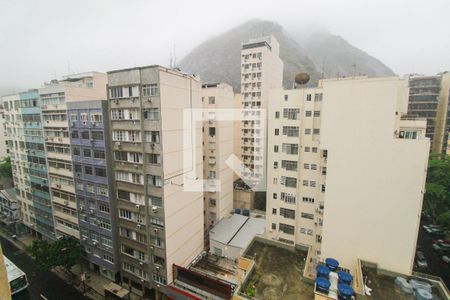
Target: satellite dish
{"x": 301, "y": 78}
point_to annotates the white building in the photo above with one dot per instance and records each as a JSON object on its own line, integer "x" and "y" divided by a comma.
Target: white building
{"x": 218, "y": 143}
{"x": 3, "y": 136}
{"x": 341, "y": 178}
{"x": 261, "y": 70}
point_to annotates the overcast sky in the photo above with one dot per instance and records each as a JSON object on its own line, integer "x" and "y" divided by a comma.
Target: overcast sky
{"x": 43, "y": 39}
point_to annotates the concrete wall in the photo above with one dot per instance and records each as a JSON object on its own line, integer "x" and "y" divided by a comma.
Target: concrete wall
{"x": 375, "y": 182}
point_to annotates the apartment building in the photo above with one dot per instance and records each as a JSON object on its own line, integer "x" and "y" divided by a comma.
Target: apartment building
{"x": 429, "y": 98}
{"x": 53, "y": 101}
{"x": 342, "y": 158}
{"x": 218, "y": 146}
{"x": 26, "y": 146}
{"x": 3, "y": 147}
{"x": 160, "y": 222}
{"x": 261, "y": 70}
{"x": 94, "y": 179}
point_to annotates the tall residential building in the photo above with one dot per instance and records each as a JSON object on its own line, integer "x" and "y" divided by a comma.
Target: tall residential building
{"x": 160, "y": 222}
{"x": 26, "y": 147}
{"x": 94, "y": 179}
{"x": 346, "y": 171}
{"x": 53, "y": 100}
{"x": 218, "y": 143}
{"x": 3, "y": 136}
{"x": 429, "y": 98}
{"x": 261, "y": 70}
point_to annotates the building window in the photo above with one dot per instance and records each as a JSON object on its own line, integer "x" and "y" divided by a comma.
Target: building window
{"x": 277, "y": 131}
{"x": 318, "y": 97}
{"x": 288, "y": 197}
{"x": 100, "y": 154}
{"x": 87, "y": 152}
{"x": 102, "y": 191}
{"x": 76, "y": 151}
{"x": 291, "y": 113}
{"x": 150, "y": 90}
{"x": 74, "y": 134}
{"x": 277, "y": 115}
{"x": 308, "y": 97}
{"x": 212, "y": 202}
{"x": 101, "y": 172}
{"x": 317, "y": 113}
{"x": 290, "y": 148}
{"x": 286, "y": 97}
{"x": 289, "y": 181}
{"x": 274, "y": 195}
{"x": 314, "y": 149}
{"x": 85, "y": 135}
{"x": 291, "y": 131}
{"x": 154, "y": 180}
{"x": 151, "y": 114}
{"x": 152, "y": 137}
{"x": 287, "y": 213}
{"x": 308, "y": 113}
{"x": 88, "y": 170}
{"x": 289, "y": 165}
{"x": 288, "y": 229}
{"x": 115, "y": 92}
{"x": 97, "y": 135}
{"x": 274, "y": 226}
{"x": 316, "y": 131}
{"x": 308, "y": 199}
{"x": 156, "y": 201}
{"x": 307, "y": 216}
{"x": 307, "y": 131}
{"x": 274, "y": 211}
{"x": 154, "y": 159}
{"x": 212, "y": 100}
{"x": 275, "y": 148}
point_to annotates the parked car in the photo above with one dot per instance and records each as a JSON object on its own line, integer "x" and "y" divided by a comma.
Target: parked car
{"x": 446, "y": 259}
{"x": 421, "y": 260}
{"x": 441, "y": 247}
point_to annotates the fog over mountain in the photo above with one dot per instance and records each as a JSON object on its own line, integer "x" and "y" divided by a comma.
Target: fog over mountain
{"x": 318, "y": 54}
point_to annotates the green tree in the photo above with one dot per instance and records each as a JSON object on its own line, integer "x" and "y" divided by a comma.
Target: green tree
{"x": 5, "y": 167}
{"x": 64, "y": 252}
{"x": 437, "y": 196}
{"x": 444, "y": 220}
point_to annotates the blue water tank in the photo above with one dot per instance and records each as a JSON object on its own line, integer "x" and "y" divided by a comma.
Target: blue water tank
{"x": 345, "y": 277}
{"x": 246, "y": 212}
{"x": 345, "y": 292}
{"x": 237, "y": 211}
{"x": 322, "y": 285}
{"x": 323, "y": 271}
{"x": 332, "y": 263}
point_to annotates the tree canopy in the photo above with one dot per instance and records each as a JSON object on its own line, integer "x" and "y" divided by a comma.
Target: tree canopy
{"x": 437, "y": 196}
{"x": 5, "y": 167}
{"x": 64, "y": 252}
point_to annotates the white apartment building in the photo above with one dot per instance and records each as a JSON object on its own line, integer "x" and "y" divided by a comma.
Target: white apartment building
{"x": 160, "y": 222}
{"x": 261, "y": 70}
{"x": 53, "y": 98}
{"x": 3, "y": 147}
{"x": 218, "y": 146}
{"x": 346, "y": 172}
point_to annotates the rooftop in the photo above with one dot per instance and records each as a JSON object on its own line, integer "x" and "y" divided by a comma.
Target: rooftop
{"x": 237, "y": 230}
{"x": 278, "y": 273}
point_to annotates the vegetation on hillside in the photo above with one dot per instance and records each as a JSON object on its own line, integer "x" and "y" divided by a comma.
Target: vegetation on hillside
{"x": 5, "y": 167}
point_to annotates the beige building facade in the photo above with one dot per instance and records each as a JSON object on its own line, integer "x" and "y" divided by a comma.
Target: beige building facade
{"x": 53, "y": 98}
{"x": 346, "y": 171}
{"x": 218, "y": 146}
{"x": 261, "y": 70}
{"x": 160, "y": 222}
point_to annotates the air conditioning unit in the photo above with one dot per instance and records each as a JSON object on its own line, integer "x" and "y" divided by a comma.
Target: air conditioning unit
{"x": 141, "y": 263}
{"x": 137, "y": 206}
{"x": 155, "y": 230}
{"x": 152, "y": 248}
{"x": 154, "y": 209}
{"x": 84, "y": 238}
{"x": 91, "y": 211}
{"x": 138, "y": 226}
{"x": 157, "y": 268}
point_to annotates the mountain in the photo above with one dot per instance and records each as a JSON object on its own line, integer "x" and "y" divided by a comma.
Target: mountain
{"x": 334, "y": 56}
{"x": 218, "y": 58}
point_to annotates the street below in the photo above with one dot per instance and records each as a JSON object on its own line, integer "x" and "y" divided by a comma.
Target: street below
{"x": 42, "y": 284}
